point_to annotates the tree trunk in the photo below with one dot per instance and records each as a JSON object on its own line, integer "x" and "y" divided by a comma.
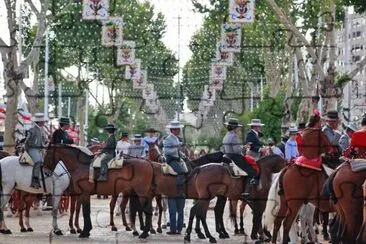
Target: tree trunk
{"x": 81, "y": 118}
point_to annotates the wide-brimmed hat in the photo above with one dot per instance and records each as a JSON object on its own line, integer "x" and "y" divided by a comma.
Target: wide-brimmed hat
{"x": 331, "y": 115}
{"x": 38, "y": 117}
{"x": 233, "y": 123}
{"x": 301, "y": 126}
{"x": 174, "y": 125}
{"x": 270, "y": 141}
{"x": 124, "y": 133}
{"x": 65, "y": 120}
{"x": 137, "y": 137}
{"x": 293, "y": 131}
{"x": 95, "y": 140}
{"x": 256, "y": 122}
{"x": 352, "y": 126}
{"x": 151, "y": 130}
{"x": 110, "y": 127}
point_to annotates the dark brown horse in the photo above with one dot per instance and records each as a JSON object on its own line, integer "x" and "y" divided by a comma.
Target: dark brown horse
{"x": 362, "y": 235}
{"x": 78, "y": 163}
{"x": 347, "y": 189}
{"x": 299, "y": 185}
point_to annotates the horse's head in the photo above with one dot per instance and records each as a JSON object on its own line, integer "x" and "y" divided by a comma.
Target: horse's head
{"x": 272, "y": 163}
{"x": 154, "y": 153}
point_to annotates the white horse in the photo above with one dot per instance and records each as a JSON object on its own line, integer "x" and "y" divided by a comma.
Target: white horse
{"x": 14, "y": 175}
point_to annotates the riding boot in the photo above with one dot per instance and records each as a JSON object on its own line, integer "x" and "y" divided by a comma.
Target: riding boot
{"x": 35, "y": 176}
{"x": 103, "y": 172}
{"x": 250, "y": 185}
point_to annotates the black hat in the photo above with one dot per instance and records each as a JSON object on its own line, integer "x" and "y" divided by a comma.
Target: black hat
{"x": 301, "y": 126}
{"x": 64, "y": 120}
{"x": 331, "y": 115}
{"x": 110, "y": 127}
{"x": 124, "y": 133}
{"x": 233, "y": 123}
{"x": 152, "y": 130}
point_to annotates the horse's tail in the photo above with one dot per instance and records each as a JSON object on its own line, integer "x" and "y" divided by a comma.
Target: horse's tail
{"x": 273, "y": 203}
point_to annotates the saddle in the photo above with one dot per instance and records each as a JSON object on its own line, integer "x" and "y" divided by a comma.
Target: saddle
{"x": 115, "y": 163}
{"x": 235, "y": 170}
{"x": 25, "y": 159}
{"x": 357, "y": 165}
{"x": 166, "y": 169}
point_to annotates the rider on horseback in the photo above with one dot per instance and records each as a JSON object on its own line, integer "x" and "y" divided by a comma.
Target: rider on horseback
{"x": 358, "y": 142}
{"x": 60, "y": 135}
{"x": 233, "y": 149}
{"x": 151, "y": 138}
{"x": 34, "y": 144}
{"x": 109, "y": 152}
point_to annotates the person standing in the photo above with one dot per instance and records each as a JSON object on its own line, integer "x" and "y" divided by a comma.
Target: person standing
{"x": 60, "y": 135}
{"x": 291, "y": 150}
{"x": 345, "y": 140}
{"x": 136, "y": 149}
{"x": 123, "y": 145}
{"x": 108, "y": 152}
{"x": 34, "y": 144}
{"x": 330, "y": 128}
{"x": 149, "y": 139}
{"x": 282, "y": 144}
{"x": 253, "y": 139}
{"x": 173, "y": 155}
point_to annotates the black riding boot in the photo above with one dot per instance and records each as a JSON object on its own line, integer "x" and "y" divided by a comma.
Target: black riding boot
{"x": 103, "y": 172}
{"x": 35, "y": 176}
{"x": 250, "y": 185}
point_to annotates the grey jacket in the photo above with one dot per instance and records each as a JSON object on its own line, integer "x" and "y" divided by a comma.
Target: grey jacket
{"x": 36, "y": 139}
{"x": 232, "y": 143}
{"x": 171, "y": 146}
{"x": 333, "y": 135}
{"x": 344, "y": 142}
{"x": 136, "y": 151}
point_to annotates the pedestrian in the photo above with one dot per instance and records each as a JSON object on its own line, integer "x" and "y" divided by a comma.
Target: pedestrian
{"x": 291, "y": 150}
{"x": 282, "y": 144}
{"x": 253, "y": 138}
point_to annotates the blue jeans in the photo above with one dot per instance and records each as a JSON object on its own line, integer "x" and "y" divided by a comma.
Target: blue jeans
{"x": 176, "y": 206}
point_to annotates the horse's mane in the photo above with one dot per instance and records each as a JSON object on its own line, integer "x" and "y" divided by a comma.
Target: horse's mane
{"x": 79, "y": 152}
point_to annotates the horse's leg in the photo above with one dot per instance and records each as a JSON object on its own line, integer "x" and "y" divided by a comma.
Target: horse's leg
{"x": 85, "y": 201}
{"x": 279, "y": 217}
{"x": 165, "y": 209}
{"x": 291, "y": 214}
{"x": 160, "y": 207}
{"x": 6, "y": 193}
{"x": 140, "y": 212}
{"x": 55, "y": 207}
{"x": 233, "y": 211}
{"x": 241, "y": 223}
{"x": 325, "y": 233}
{"x": 77, "y": 213}
{"x": 258, "y": 210}
{"x": 152, "y": 230}
{"x": 112, "y": 205}
{"x": 192, "y": 214}
{"x": 72, "y": 211}
{"x": 29, "y": 202}
{"x": 123, "y": 205}
{"x": 219, "y": 212}
{"x": 21, "y": 207}
{"x": 201, "y": 213}
{"x": 146, "y": 204}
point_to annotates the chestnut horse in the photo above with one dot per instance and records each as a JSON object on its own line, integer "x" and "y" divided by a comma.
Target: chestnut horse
{"x": 119, "y": 180}
{"x": 362, "y": 235}
{"x": 299, "y": 185}
{"x": 347, "y": 190}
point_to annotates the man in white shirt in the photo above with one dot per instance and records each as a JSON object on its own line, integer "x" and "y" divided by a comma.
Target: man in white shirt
{"x": 123, "y": 145}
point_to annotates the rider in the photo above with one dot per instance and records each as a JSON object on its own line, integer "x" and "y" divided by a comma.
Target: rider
{"x": 358, "y": 141}
{"x": 330, "y": 128}
{"x": 34, "y": 145}
{"x": 123, "y": 145}
{"x": 150, "y": 138}
{"x": 233, "y": 149}
{"x": 109, "y": 152}
{"x": 173, "y": 155}
{"x": 345, "y": 140}
{"x": 291, "y": 149}
{"x": 60, "y": 135}
{"x": 253, "y": 138}
{"x": 136, "y": 149}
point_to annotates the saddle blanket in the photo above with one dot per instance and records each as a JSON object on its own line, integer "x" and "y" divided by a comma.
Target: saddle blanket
{"x": 115, "y": 163}
{"x": 304, "y": 162}
{"x": 251, "y": 161}
{"x": 358, "y": 165}
{"x": 236, "y": 171}
{"x": 168, "y": 170}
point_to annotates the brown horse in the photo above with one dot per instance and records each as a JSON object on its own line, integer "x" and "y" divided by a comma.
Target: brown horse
{"x": 299, "y": 185}
{"x": 78, "y": 163}
{"x": 362, "y": 235}
{"x": 347, "y": 189}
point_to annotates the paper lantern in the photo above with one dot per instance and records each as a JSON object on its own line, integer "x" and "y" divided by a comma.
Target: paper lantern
{"x": 95, "y": 9}
{"x": 241, "y": 11}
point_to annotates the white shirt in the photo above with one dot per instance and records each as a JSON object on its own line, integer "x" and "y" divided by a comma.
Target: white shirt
{"x": 122, "y": 147}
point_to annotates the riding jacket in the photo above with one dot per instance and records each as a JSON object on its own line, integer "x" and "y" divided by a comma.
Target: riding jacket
{"x": 61, "y": 137}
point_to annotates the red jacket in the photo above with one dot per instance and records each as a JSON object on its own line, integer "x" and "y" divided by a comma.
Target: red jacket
{"x": 299, "y": 142}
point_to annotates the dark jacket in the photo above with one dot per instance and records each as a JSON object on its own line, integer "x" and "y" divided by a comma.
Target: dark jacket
{"x": 61, "y": 137}
{"x": 254, "y": 140}
{"x": 110, "y": 146}
{"x": 281, "y": 146}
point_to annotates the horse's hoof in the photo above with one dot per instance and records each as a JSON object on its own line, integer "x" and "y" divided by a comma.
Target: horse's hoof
{"x": 84, "y": 235}
{"x": 163, "y": 227}
{"x": 326, "y": 237}
{"x": 184, "y": 225}
{"x": 29, "y": 229}
{"x": 142, "y": 228}
{"x": 212, "y": 240}
{"x": 201, "y": 235}
{"x": 159, "y": 230}
{"x": 222, "y": 236}
{"x": 73, "y": 231}
{"x": 258, "y": 242}
{"x": 144, "y": 235}
{"x": 128, "y": 228}
{"x": 168, "y": 224}
{"x": 226, "y": 235}
{"x": 156, "y": 214}
{"x": 135, "y": 233}
{"x": 114, "y": 228}
{"x": 78, "y": 231}
{"x": 236, "y": 232}
{"x": 23, "y": 230}
{"x": 253, "y": 236}
{"x": 187, "y": 238}
{"x": 58, "y": 233}
{"x": 5, "y": 232}
{"x": 152, "y": 231}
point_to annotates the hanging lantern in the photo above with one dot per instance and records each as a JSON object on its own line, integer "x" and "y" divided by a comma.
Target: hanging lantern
{"x": 133, "y": 71}
{"x": 218, "y": 71}
{"x": 126, "y": 53}
{"x": 112, "y": 32}
{"x": 241, "y": 11}
{"x": 230, "y": 37}
{"x": 95, "y": 9}
{"x": 142, "y": 82}
{"x": 223, "y": 58}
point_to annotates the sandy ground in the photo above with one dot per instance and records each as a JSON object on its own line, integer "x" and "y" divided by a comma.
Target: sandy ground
{"x": 101, "y": 232}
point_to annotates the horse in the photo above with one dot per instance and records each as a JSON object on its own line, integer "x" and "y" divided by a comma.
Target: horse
{"x": 362, "y": 235}
{"x": 294, "y": 195}
{"x": 348, "y": 197}
{"x": 78, "y": 160}
{"x": 14, "y": 175}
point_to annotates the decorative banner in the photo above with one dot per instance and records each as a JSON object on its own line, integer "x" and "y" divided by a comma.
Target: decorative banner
{"x": 95, "y": 9}
{"x": 148, "y": 92}
{"x": 216, "y": 84}
{"x": 133, "y": 71}
{"x": 152, "y": 104}
{"x": 241, "y": 11}
{"x": 223, "y": 58}
{"x": 112, "y": 32}
{"x": 142, "y": 82}
{"x": 230, "y": 37}
{"x": 126, "y": 53}
{"x": 218, "y": 72}
{"x": 209, "y": 96}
